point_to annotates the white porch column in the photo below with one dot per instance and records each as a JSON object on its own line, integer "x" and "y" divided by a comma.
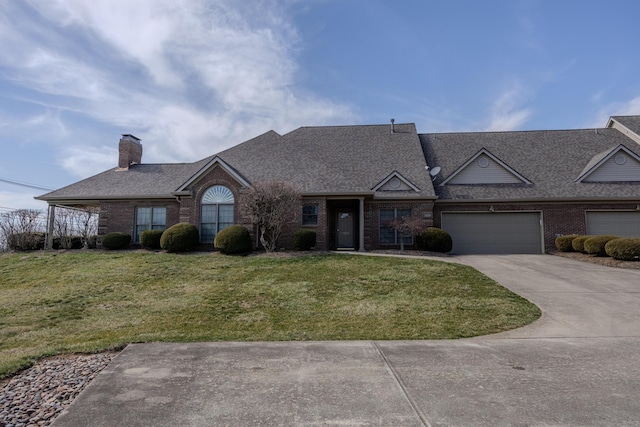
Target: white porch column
{"x": 361, "y": 222}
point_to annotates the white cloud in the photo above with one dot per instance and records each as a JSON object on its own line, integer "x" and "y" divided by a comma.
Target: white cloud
{"x": 628, "y": 108}
{"x": 189, "y": 77}
{"x": 507, "y": 112}
{"x": 20, "y": 200}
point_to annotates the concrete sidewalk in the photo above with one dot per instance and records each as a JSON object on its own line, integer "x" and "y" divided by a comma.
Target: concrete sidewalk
{"x": 573, "y": 367}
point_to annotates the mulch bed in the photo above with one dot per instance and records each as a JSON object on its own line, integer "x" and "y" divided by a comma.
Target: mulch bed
{"x": 609, "y": 262}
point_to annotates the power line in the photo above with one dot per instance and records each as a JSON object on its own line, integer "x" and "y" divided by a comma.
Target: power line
{"x": 23, "y": 184}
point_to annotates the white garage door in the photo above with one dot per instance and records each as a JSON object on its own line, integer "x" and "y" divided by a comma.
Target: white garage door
{"x": 494, "y": 232}
{"x": 623, "y": 224}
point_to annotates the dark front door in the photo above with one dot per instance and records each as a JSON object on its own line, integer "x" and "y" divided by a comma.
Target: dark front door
{"x": 345, "y": 229}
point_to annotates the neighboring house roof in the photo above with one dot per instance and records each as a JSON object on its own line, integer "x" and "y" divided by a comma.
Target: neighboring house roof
{"x": 630, "y": 122}
{"x": 550, "y": 160}
{"x": 319, "y": 160}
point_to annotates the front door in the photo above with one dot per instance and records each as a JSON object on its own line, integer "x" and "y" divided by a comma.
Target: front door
{"x": 345, "y": 229}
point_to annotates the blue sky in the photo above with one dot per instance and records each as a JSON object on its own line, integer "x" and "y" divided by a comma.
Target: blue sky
{"x": 193, "y": 77}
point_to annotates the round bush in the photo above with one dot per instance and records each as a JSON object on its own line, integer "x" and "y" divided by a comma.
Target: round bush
{"x": 578, "y": 243}
{"x": 116, "y": 240}
{"x": 234, "y": 239}
{"x": 434, "y": 240}
{"x": 304, "y": 239}
{"x": 595, "y": 245}
{"x": 624, "y": 249}
{"x": 150, "y": 239}
{"x": 563, "y": 243}
{"x": 180, "y": 237}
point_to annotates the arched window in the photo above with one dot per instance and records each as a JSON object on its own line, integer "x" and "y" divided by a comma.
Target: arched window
{"x": 216, "y": 212}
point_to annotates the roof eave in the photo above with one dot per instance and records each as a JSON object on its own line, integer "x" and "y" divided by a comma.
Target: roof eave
{"x": 540, "y": 200}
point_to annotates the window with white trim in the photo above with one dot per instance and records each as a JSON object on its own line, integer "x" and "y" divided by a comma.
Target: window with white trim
{"x": 216, "y": 212}
{"x": 389, "y": 235}
{"x": 150, "y": 218}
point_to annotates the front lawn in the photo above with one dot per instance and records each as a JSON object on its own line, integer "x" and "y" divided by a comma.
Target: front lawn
{"x": 54, "y": 302}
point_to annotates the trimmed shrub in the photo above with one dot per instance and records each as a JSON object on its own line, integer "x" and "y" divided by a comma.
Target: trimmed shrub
{"x": 563, "y": 243}
{"x": 434, "y": 240}
{"x": 73, "y": 242}
{"x": 234, "y": 239}
{"x": 26, "y": 241}
{"x": 624, "y": 249}
{"x": 304, "y": 239}
{"x": 150, "y": 239}
{"x": 180, "y": 237}
{"x": 116, "y": 240}
{"x": 578, "y": 243}
{"x": 92, "y": 242}
{"x": 595, "y": 245}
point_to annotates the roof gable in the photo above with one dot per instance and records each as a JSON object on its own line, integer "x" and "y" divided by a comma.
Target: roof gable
{"x": 485, "y": 168}
{"x": 618, "y": 164}
{"x": 395, "y": 182}
{"x": 629, "y": 126}
{"x": 214, "y": 162}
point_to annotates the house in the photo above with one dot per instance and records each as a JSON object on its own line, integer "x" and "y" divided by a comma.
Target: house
{"x": 494, "y": 192}
{"x": 515, "y": 192}
{"x": 353, "y": 179}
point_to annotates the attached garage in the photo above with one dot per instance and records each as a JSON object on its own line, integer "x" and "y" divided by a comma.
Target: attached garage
{"x": 623, "y": 224}
{"x": 494, "y": 232}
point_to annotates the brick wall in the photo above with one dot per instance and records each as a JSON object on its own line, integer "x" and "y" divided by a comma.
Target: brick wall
{"x": 121, "y": 215}
{"x": 372, "y": 219}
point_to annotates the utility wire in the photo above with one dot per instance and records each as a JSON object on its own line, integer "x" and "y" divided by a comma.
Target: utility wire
{"x": 22, "y": 184}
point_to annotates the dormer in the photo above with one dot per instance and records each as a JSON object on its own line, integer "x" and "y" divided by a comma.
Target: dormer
{"x": 395, "y": 182}
{"x": 618, "y": 164}
{"x": 484, "y": 168}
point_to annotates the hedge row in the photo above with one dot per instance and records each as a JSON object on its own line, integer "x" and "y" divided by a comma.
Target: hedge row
{"x": 36, "y": 241}
{"x": 626, "y": 249}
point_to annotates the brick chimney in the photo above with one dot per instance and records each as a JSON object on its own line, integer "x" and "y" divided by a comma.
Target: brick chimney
{"x": 130, "y": 152}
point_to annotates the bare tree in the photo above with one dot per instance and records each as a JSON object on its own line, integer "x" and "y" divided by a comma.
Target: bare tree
{"x": 22, "y": 228}
{"x": 406, "y": 226}
{"x": 86, "y": 222}
{"x": 270, "y": 205}
{"x": 73, "y": 223}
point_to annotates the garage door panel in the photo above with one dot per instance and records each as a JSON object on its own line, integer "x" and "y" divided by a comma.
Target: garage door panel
{"x": 494, "y": 233}
{"x": 623, "y": 224}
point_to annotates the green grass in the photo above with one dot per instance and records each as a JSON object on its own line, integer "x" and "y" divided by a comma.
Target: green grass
{"x": 54, "y": 302}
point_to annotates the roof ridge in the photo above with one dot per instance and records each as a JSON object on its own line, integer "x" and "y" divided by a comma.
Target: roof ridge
{"x": 517, "y": 131}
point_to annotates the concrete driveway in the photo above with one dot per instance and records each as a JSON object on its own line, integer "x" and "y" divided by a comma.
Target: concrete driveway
{"x": 579, "y": 365}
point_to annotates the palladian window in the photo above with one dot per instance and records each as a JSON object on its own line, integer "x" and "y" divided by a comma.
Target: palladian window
{"x": 216, "y": 212}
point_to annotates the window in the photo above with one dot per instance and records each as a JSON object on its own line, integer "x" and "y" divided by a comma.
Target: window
{"x": 216, "y": 212}
{"x": 150, "y": 219}
{"x": 309, "y": 215}
{"x": 389, "y": 236}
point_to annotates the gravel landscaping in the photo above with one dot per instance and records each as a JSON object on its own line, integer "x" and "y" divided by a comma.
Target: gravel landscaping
{"x": 36, "y": 396}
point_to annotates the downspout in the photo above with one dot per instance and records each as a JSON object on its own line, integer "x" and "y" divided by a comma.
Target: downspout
{"x": 361, "y": 222}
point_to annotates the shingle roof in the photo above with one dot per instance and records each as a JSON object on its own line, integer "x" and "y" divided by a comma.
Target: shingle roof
{"x": 320, "y": 160}
{"x": 334, "y": 159}
{"x": 551, "y": 160}
{"x": 143, "y": 180}
{"x": 630, "y": 122}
